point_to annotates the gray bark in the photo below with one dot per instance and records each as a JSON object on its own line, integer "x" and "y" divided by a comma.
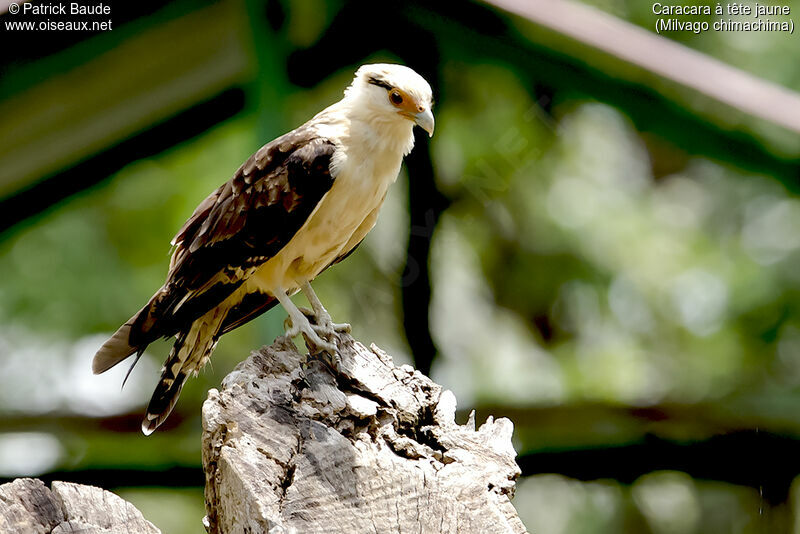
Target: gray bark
{"x": 28, "y": 506}
{"x": 291, "y": 445}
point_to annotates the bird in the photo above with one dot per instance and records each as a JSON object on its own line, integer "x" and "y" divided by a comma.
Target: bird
{"x": 298, "y": 205}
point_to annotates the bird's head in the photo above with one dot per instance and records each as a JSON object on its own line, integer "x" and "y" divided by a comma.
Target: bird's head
{"x": 394, "y": 93}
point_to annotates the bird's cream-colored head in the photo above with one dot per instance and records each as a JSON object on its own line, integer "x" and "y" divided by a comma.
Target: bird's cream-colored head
{"x": 393, "y": 95}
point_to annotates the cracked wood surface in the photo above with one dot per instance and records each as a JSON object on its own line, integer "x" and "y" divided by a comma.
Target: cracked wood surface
{"x": 28, "y": 506}
{"x": 291, "y": 446}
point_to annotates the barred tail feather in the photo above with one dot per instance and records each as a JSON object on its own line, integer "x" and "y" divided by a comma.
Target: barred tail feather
{"x": 163, "y": 401}
{"x": 169, "y": 386}
{"x": 189, "y": 354}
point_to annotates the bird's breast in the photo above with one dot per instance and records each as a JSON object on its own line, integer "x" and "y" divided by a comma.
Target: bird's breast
{"x": 341, "y": 219}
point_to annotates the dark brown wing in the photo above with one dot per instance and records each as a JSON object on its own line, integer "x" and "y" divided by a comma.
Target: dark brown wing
{"x": 237, "y": 228}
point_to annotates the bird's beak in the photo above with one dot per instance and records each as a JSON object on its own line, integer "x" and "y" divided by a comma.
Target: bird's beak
{"x": 424, "y": 119}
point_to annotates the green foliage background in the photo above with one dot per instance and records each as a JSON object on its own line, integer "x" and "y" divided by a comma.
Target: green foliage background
{"x": 583, "y": 265}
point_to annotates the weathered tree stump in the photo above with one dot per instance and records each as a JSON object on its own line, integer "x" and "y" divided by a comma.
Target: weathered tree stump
{"x": 27, "y": 506}
{"x": 290, "y": 445}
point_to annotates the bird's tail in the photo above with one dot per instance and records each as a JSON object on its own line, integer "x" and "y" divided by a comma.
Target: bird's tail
{"x": 189, "y": 354}
{"x": 116, "y": 349}
{"x": 134, "y": 336}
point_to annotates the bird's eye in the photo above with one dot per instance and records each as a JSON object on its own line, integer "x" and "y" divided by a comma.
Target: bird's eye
{"x": 396, "y": 98}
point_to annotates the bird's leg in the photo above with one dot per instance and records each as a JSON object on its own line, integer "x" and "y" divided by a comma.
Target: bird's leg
{"x": 325, "y": 324}
{"x": 298, "y": 324}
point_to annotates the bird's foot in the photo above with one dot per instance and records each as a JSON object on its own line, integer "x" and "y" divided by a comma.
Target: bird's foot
{"x": 323, "y": 324}
{"x": 315, "y": 342}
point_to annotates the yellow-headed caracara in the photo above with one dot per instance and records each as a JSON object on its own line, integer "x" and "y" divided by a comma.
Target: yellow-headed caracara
{"x": 297, "y": 206}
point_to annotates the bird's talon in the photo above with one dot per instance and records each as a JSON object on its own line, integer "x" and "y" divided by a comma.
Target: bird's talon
{"x": 335, "y": 361}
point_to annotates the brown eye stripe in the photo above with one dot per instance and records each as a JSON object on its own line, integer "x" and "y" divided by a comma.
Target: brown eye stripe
{"x": 408, "y": 104}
